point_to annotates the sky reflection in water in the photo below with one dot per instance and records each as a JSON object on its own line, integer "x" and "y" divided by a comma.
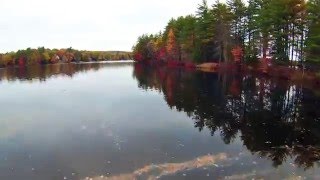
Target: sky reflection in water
{"x": 125, "y": 121}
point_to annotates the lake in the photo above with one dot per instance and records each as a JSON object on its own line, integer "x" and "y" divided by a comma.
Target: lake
{"x": 122, "y": 120}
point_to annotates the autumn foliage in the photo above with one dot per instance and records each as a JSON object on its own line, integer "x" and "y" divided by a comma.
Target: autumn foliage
{"x": 42, "y": 55}
{"x": 255, "y": 33}
{"x": 171, "y": 46}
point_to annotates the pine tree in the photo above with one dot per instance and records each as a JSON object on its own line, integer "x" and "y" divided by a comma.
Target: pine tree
{"x": 187, "y": 36}
{"x": 238, "y": 28}
{"x": 264, "y": 20}
{"x": 204, "y": 32}
{"x": 296, "y": 11}
{"x": 280, "y": 29}
{"x": 313, "y": 34}
{"x": 222, "y": 24}
{"x": 252, "y": 31}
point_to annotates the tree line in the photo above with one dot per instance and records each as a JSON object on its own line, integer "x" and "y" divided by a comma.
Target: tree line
{"x": 43, "y": 55}
{"x": 282, "y": 30}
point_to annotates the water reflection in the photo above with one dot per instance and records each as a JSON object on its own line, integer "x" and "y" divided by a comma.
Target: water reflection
{"x": 156, "y": 171}
{"x": 82, "y": 121}
{"x": 45, "y": 72}
{"x": 274, "y": 119}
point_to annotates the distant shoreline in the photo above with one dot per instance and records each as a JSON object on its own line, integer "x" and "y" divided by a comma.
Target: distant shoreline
{"x": 42, "y": 55}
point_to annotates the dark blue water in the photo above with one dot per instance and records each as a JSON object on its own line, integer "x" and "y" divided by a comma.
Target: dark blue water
{"x": 128, "y": 121}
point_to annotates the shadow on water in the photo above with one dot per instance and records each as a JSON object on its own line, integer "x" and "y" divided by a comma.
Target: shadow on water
{"x": 274, "y": 120}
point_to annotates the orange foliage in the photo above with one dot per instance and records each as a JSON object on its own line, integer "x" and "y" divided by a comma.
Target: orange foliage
{"x": 171, "y": 45}
{"x": 61, "y": 52}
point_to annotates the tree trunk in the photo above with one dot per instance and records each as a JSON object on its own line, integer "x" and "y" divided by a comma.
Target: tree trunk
{"x": 225, "y": 53}
{"x": 221, "y": 52}
{"x": 286, "y": 37}
{"x": 264, "y": 45}
{"x": 292, "y": 45}
{"x": 179, "y": 53}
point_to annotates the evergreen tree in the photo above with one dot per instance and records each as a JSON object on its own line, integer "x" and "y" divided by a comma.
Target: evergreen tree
{"x": 187, "y": 36}
{"x": 204, "y": 32}
{"x": 313, "y": 34}
{"x": 222, "y": 24}
{"x": 238, "y": 24}
{"x": 264, "y": 21}
{"x": 297, "y": 22}
{"x": 252, "y": 31}
{"x": 282, "y": 29}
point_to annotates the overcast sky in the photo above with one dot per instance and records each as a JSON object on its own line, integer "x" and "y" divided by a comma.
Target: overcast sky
{"x": 85, "y": 24}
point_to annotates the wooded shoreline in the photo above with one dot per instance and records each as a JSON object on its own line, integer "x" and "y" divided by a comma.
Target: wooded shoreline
{"x": 43, "y": 55}
{"x": 276, "y": 38}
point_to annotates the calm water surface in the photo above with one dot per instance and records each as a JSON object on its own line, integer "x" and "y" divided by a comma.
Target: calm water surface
{"x": 127, "y": 121}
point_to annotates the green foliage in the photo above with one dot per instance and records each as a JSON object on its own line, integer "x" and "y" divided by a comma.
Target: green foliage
{"x": 145, "y": 46}
{"x": 252, "y": 31}
{"x": 251, "y": 55}
{"x": 238, "y": 24}
{"x": 222, "y": 18}
{"x": 313, "y": 39}
{"x": 197, "y": 55}
{"x": 204, "y": 24}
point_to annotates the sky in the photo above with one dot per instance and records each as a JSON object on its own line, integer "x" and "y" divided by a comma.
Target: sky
{"x": 85, "y": 24}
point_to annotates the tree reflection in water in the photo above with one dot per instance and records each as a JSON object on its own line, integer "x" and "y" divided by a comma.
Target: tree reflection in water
{"x": 274, "y": 119}
{"x": 45, "y": 72}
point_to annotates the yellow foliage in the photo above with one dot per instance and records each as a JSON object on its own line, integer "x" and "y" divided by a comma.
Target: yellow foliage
{"x": 7, "y": 59}
{"x": 171, "y": 43}
{"x": 46, "y": 56}
{"x": 158, "y": 43}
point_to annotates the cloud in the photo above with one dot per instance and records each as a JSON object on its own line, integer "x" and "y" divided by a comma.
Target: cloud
{"x": 84, "y": 24}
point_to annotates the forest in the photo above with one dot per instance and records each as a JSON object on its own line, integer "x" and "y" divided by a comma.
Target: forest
{"x": 43, "y": 55}
{"x": 285, "y": 32}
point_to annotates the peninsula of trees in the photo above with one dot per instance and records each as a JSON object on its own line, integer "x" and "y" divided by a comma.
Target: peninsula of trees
{"x": 42, "y": 55}
{"x": 283, "y": 31}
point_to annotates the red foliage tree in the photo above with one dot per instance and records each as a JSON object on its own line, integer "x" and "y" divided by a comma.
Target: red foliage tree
{"x": 22, "y": 61}
{"x": 161, "y": 54}
{"x": 138, "y": 57}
